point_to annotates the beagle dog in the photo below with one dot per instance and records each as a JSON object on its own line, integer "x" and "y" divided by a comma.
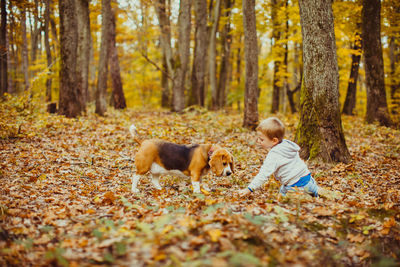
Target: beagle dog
{"x": 161, "y": 157}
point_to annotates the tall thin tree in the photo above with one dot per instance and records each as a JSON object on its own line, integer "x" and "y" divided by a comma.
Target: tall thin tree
{"x": 48, "y": 50}
{"x": 24, "y": 49}
{"x": 377, "y": 109}
{"x": 200, "y": 53}
{"x": 320, "y": 133}
{"x": 276, "y": 36}
{"x": 225, "y": 66}
{"x": 350, "y": 101}
{"x": 118, "y": 97}
{"x": 178, "y": 91}
{"x": 101, "y": 91}
{"x": 165, "y": 42}
{"x": 251, "y": 58}
{"x": 212, "y": 60}
{"x": 3, "y": 49}
{"x": 84, "y": 44}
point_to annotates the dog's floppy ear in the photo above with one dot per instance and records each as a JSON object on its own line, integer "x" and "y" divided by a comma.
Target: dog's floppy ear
{"x": 232, "y": 163}
{"x": 216, "y": 163}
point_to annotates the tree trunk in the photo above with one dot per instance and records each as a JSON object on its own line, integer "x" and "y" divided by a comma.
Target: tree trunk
{"x": 35, "y": 34}
{"x": 165, "y": 94}
{"x": 48, "y": 51}
{"x": 71, "y": 95}
{"x": 251, "y": 57}
{"x": 3, "y": 49}
{"x": 239, "y": 69}
{"x": 320, "y": 133}
{"x": 213, "y": 54}
{"x": 24, "y": 50}
{"x": 165, "y": 40}
{"x": 394, "y": 76}
{"x": 394, "y": 54}
{"x": 178, "y": 91}
{"x": 276, "y": 34}
{"x": 118, "y": 92}
{"x": 101, "y": 91}
{"x": 84, "y": 45}
{"x": 200, "y": 54}
{"x": 226, "y": 41}
{"x": 377, "y": 109}
{"x": 350, "y": 102}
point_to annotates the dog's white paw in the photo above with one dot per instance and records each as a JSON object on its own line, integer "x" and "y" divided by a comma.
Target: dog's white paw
{"x": 135, "y": 190}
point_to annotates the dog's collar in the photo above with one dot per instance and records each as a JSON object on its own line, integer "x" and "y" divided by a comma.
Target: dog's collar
{"x": 211, "y": 151}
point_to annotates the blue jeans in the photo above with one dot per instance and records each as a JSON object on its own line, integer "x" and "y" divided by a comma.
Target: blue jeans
{"x": 309, "y": 187}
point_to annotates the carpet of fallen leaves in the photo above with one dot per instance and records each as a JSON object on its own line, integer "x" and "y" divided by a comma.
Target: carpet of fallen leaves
{"x": 65, "y": 198}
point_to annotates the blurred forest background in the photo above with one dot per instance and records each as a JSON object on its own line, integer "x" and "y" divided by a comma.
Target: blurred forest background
{"x": 147, "y": 40}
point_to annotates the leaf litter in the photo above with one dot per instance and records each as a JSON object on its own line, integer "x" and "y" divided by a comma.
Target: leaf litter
{"x": 66, "y": 200}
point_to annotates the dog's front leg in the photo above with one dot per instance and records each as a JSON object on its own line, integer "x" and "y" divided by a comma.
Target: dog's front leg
{"x": 196, "y": 182}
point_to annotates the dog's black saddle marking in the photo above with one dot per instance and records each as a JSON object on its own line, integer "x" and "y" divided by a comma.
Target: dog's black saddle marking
{"x": 176, "y": 157}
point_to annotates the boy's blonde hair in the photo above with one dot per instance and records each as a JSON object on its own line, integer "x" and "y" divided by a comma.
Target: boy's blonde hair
{"x": 272, "y": 127}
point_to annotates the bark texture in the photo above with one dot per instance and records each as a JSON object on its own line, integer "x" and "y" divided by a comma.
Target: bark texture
{"x": 213, "y": 54}
{"x": 377, "y": 109}
{"x": 84, "y": 43}
{"x": 350, "y": 101}
{"x": 320, "y": 133}
{"x": 24, "y": 50}
{"x": 276, "y": 35}
{"x": 118, "y": 97}
{"x": 165, "y": 40}
{"x": 200, "y": 54}
{"x": 251, "y": 57}
{"x": 226, "y": 41}
{"x": 101, "y": 91}
{"x": 3, "y": 49}
{"x": 178, "y": 91}
{"x": 48, "y": 51}
{"x": 71, "y": 98}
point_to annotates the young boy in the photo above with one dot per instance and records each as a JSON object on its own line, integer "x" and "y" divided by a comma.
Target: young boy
{"x": 283, "y": 161}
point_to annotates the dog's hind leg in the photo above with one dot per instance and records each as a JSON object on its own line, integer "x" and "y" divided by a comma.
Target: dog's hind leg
{"x": 155, "y": 180}
{"x": 135, "y": 180}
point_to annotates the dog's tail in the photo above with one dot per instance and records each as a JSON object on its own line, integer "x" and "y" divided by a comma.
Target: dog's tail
{"x": 135, "y": 134}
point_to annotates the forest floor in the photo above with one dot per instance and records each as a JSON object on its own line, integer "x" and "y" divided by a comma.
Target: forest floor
{"x": 65, "y": 198}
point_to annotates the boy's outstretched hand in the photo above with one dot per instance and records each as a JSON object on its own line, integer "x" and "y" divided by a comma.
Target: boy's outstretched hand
{"x": 244, "y": 192}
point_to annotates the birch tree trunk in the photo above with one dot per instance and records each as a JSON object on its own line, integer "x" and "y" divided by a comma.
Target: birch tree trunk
{"x": 213, "y": 54}
{"x": 320, "y": 133}
{"x": 118, "y": 97}
{"x": 200, "y": 54}
{"x": 377, "y": 109}
{"x": 101, "y": 91}
{"x": 71, "y": 95}
{"x": 178, "y": 91}
{"x": 251, "y": 57}
{"x": 3, "y": 49}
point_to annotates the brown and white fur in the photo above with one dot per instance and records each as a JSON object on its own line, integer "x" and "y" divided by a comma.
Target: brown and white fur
{"x": 160, "y": 157}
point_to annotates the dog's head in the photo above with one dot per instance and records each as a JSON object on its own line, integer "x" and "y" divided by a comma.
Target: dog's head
{"x": 221, "y": 161}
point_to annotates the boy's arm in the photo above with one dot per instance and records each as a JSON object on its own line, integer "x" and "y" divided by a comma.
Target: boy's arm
{"x": 269, "y": 166}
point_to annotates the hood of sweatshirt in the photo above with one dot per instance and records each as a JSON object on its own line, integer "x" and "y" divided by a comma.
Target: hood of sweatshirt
{"x": 286, "y": 148}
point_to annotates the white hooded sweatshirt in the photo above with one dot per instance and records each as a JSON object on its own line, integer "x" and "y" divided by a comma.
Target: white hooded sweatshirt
{"x": 283, "y": 160}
